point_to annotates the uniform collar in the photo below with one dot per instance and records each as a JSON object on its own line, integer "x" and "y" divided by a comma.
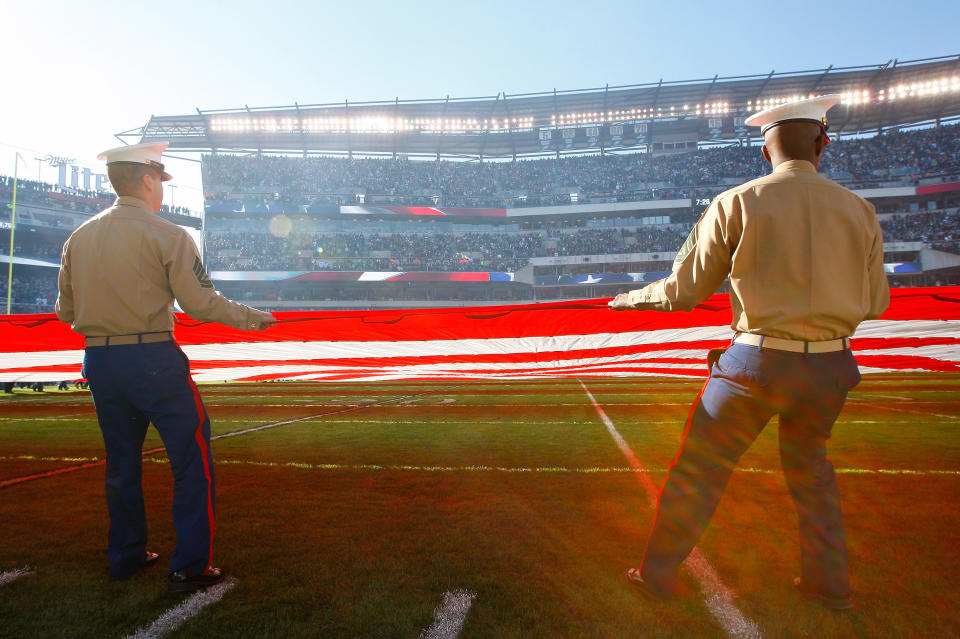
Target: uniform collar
{"x": 127, "y": 200}
{"x": 796, "y": 165}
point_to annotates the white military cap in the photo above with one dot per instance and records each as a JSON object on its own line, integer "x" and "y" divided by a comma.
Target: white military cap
{"x": 148, "y": 153}
{"x": 810, "y": 110}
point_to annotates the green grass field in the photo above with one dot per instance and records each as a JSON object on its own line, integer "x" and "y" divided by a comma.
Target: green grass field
{"x": 354, "y": 520}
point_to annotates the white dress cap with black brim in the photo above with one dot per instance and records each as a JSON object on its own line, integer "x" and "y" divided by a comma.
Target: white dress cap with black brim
{"x": 809, "y": 110}
{"x": 146, "y": 153}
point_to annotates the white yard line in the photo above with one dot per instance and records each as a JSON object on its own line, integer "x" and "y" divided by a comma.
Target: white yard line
{"x": 348, "y": 409}
{"x": 717, "y": 596}
{"x": 448, "y": 618}
{"x": 61, "y": 471}
{"x": 901, "y": 410}
{"x": 66, "y": 417}
{"x": 899, "y": 398}
{"x": 12, "y": 575}
{"x": 174, "y": 618}
{"x": 284, "y": 405}
{"x": 536, "y": 406}
{"x": 592, "y": 470}
{"x": 244, "y": 420}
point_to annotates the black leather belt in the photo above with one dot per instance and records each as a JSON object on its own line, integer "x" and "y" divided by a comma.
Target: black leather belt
{"x": 125, "y": 340}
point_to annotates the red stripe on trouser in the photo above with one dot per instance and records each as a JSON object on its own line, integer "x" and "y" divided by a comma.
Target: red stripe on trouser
{"x": 205, "y": 454}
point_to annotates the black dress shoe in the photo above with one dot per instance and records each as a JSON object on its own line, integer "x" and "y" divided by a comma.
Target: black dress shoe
{"x": 830, "y": 602}
{"x": 182, "y": 581}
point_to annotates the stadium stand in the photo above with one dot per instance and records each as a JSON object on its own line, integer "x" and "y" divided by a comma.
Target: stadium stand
{"x": 32, "y": 293}
{"x": 429, "y": 251}
{"x": 46, "y": 215}
{"x": 263, "y": 183}
{"x": 574, "y": 251}
{"x": 937, "y": 230}
{"x": 298, "y": 233}
{"x": 30, "y": 192}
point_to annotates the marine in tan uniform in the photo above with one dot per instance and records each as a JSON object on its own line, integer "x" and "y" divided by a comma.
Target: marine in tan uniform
{"x": 805, "y": 261}
{"x": 120, "y": 273}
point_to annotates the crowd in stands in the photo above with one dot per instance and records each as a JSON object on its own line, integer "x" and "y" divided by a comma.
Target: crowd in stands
{"x": 32, "y": 293}
{"x": 43, "y": 249}
{"x": 43, "y": 194}
{"x": 915, "y": 153}
{"x": 177, "y": 210}
{"x": 244, "y": 243}
{"x": 496, "y": 251}
{"x": 373, "y": 293}
{"x": 937, "y": 230}
{"x": 65, "y": 198}
{"x": 287, "y": 182}
{"x": 36, "y": 291}
{"x": 428, "y": 252}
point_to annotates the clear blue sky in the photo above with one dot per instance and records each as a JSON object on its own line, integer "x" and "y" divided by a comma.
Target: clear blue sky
{"x": 77, "y": 73}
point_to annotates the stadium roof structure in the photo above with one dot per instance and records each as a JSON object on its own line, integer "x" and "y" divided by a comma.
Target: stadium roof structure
{"x": 657, "y": 115}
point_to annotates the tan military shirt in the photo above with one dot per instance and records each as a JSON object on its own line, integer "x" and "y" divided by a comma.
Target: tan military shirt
{"x": 121, "y": 270}
{"x": 804, "y": 256}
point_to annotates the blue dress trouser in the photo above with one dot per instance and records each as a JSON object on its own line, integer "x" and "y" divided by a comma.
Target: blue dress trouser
{"x": 747, "y": 386}
{"x": 134, "y": 385}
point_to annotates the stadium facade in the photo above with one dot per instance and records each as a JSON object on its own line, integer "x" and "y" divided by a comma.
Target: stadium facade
{"x": 655, "y": 117}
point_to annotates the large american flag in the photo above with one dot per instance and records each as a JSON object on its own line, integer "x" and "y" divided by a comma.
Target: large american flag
{"x": 919, "y": 332}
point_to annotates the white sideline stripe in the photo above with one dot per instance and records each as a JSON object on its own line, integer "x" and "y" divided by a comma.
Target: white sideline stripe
{"x": 900, "y": 410}
{"x": 537, "y": 406}
{"x": 174, "y": 618}
{"x": 437, "y": 405}
{"x": 516, "y": 422}
{"x": 899, "y": 398}
{"x": 12, "y": 575}
{"x": 502, "y": 469}
{"x": 548, "y": 390}
{"x": 449, "y": 616}
{"x": 717, "y": 596}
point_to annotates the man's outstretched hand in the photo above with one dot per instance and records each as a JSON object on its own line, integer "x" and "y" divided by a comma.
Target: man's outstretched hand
{"x": 621, "y": 303}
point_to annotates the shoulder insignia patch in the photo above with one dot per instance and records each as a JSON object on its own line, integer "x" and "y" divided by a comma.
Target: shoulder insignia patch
{"x": 687, "y": 247}
{"x": 201, "y": 274}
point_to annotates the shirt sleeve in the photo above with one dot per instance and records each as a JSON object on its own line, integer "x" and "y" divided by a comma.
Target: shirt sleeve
{"x": 879, "y": 287}
{"x": 64, "y": 304}
{"x": 701, "y": 265}
{"x": 195, "y": 292}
